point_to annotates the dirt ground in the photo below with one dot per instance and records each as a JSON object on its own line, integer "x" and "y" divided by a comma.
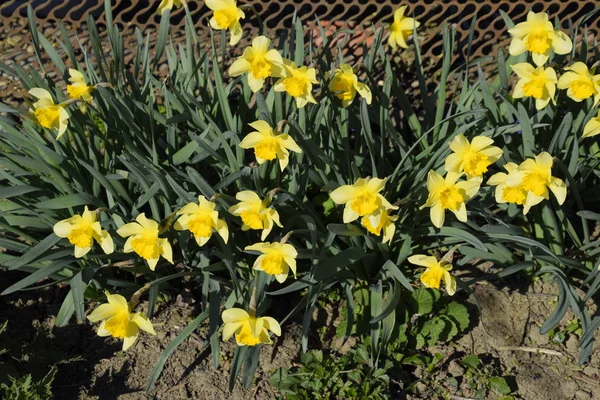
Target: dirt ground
{"x": 90, "y": 367}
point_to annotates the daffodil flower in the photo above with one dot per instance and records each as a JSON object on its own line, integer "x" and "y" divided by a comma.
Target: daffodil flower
{"x": 401, "y": 29}
{"x": 82, "y": 230}
{"x": 539, "y": 83}
{"x": 592, "y": 128}
{"x": 297, "y": 82}
{"x": 473, "y": 158}
{"x": 48, "y": 114}
{"x": 248, "y": 329}
{"x": 277, "y": 259}
{"x": 269, "y": 144}
{"x": 361, "y": 199}
{"x": 259, "y": 62}
{"x": 448, "y": 194}
{"x": 201, "y": 219}
{"x": 435, "y": 271}
{"x": 344, "y": 85}
{"x": 510, "y": 189}
{"x": 380, "y": 221}
{"x": 119, "y": 322}
{"x": 142, "y": 238}
{"x": 226, "y": 15}
{"x": 255, "y": 213}
{"x": 537, "y": 178}
{"x": 168, "y": 5}
{"x": 580, "y": 83}
{"x": 539, "y": 37}
{"x": 78, "y": 89}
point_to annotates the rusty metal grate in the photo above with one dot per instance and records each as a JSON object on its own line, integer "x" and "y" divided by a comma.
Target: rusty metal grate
{"x": 358, "y": 15}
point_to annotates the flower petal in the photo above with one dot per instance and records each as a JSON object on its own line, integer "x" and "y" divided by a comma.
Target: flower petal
{"x": 102, "y": 312}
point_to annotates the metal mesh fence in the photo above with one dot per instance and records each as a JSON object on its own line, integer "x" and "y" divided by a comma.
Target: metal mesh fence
{"x": 355, "y": 21}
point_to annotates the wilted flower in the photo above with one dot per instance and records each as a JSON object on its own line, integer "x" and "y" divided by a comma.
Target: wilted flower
{"x": 592, "y": 128}
{"x": 448, "y": 194}
{"x": 226, "y": 15}
{"x": 255, "y": 213}
{"x": 580, "y": 83}
{"x": 82, "y": 230}
{"x": 201, "y": 219}
{"x": 434, "y": 273}
{"x": 538, "y": 36}
{"x": 269, "y": 144}
{"x": 48, "y": 114}
{"x": 380, "y": 221}
{"x": 401, "y": 28}
{"x": 277, "y": 259}
{"x": 78, "y": 89}
{"x": 473, "y": 158}
{"x": 539, "y": 83}
{"x": 249, "y": 330}
{"x": 361, "y": 199}
{"x": 344, "y": 85}
{"x": 143, "y": 239}
{"x": 297, "y": 82}
{"x": 119, "y": 322}
{"x": 259, "y": 62}
{"x": 168, "y": 5}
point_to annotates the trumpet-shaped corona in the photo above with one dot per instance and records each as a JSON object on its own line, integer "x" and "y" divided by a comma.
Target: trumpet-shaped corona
{"x": 473, "y": 158}
{"x": 277, "y": 259}
{"x": 259, "y": 62}
{"x": 435, "y": 272}
{"x": 344, "y": 85}
{"x": 201, "y": 219}
{"x": 255, "y": 213}
{"x": 249, "y": 330}
{"x": 361, "y": 199}
{"x": 580, "y": 83}
{"x": 226, "y": 15}
{"x": 539, "y": 83}
{"x": 269, "y": 144}
{"x": 142, "y": 238}
{"x": 401, "y": 29}
{"x": 48, "y": 114}
{"x": 297, "y": 82}
{"x": 82, "y": 230}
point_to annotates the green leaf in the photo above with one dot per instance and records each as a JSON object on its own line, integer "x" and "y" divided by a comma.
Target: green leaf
{"x": 40, "y": 274}
{"x": 345, "y": 230}
{"x": 66, "y": 311}
{"x": 423, "y": 300}
{"x": 71, "y": 200}
{"x": 458, "y": 313}
{"x": 34, "y": 252}
{"x": 499, "y": 385}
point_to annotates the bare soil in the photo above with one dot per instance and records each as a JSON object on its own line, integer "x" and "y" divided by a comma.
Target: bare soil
{"x": 91, "y": 367}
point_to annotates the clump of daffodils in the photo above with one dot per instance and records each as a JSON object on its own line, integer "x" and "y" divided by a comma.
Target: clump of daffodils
{"x": 363, "y": 199}
{"x": 528, "y": 184}
{"x": 201, "y": 219}
{"x": 142, "y": 238}
{"x": 82, "y": 231}
{"x": 538, "y": 36}
{"x": 255, "y": 213}
{"x": 435, "y": 272}
{"x": 48, "y": 114}
{"x": 268, "y": 144}
{"x": 401, "y": 29}
{"x": 249, "y": 330}
{"x": 119, "y": 321}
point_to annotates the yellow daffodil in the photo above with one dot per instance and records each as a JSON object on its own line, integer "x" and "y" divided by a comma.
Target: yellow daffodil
{"x": 473, "y": 158}
{"x": 255, "y": 213}
{"x": 448, "y": 194}
{"x": 78, "y": 89}
{"x": 297, "y": 82}
{"x": 580, "y": 83}
{"x": 82, "y": 230}
{"x": 249, "y": 330}
{"x": 361, "y": 199}
{"x": 435, "y": 271}
{"x": 344, "y": 85}
{"x": 510, "y": 189}
{"x": 259, "y": 62}
{"x": 537, "y": 178}
{"x": 381, "y": 221}
{"x": 201, "y": 219}
{"x": 592, "y": 128}
{"x": 226, "y": 15}
{"x": 277, "y": 259}
{"x": 269, "y": 144}
{"x": 119, "y": 322}
{"x": 48, "y": 114}
{"x": 539, "y": 37}
{"x": 168, "y": 5}
{"x": 401, "y": 29}
{"x": 539, "y": 83}
{"x": 143, "y": 239}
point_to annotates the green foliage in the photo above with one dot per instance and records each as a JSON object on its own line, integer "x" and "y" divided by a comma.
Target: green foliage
{"x": 325, "y": 377}
{"x": 482, "y": 379}
{"x": 24, "y": 388}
